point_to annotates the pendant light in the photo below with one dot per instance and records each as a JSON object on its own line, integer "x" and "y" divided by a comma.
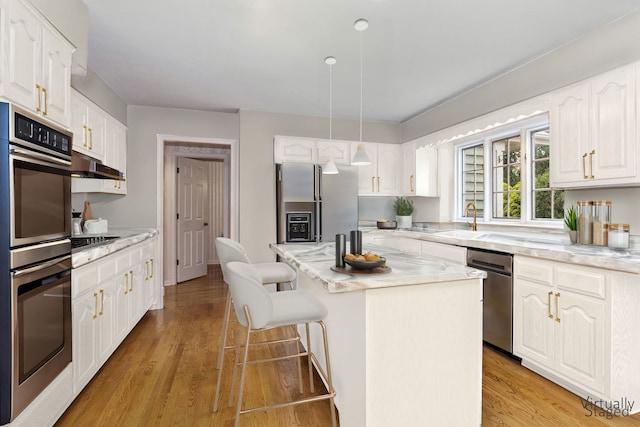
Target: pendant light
{"x": 361, "y": 158}
{"x": 330, "y": 167}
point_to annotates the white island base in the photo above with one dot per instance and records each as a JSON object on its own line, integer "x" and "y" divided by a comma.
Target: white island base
{"x": 406, "y": 355}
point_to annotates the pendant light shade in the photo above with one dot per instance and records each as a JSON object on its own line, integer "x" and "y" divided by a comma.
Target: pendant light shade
{"x": 361, "y": 158}
{"x": 330, "y": 167}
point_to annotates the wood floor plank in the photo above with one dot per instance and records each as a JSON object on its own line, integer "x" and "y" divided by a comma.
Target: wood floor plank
{"x": 163, "y": 374}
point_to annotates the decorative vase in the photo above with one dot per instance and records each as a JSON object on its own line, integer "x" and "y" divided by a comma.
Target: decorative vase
{"x": 573, "y": 236}
{"x": 404, "y": 221}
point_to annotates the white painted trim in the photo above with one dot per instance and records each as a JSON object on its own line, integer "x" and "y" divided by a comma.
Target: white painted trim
{"x": 162, "y": 141}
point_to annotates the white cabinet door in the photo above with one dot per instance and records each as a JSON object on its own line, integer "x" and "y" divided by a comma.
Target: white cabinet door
{"x": 85, "y": 337}
{"x": 23, "y": 35}
{"x": 299, "y": 150}
{"x": 613, "y": 123}
{"x": 533, "y": 330}
{"x": 56, "y": 77}
{"x": 339, "y": 151}
{"x": 570, "y": 136}
{"x": 408, "y": 172}
{"x": 426, "y": 167}
{"x": 580, "y": 339}
{"x": 389, "y": 163}
{"x": 367, "y": 174}
{"x": 121, "y": 316}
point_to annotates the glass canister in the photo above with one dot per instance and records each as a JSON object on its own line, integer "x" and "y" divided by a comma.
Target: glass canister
{"x": 585, "y": 222}
{"x": 619, "y": 236}
{"x": 601, "y": 220}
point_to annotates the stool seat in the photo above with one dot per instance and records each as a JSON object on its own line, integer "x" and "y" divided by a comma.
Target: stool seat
{"x": 275, "y": 272}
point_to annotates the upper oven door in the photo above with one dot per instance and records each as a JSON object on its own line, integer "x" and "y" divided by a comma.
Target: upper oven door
{"x": 40, "y": 197}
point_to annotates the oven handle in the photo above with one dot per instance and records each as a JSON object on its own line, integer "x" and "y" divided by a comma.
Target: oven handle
{"x": 39, "y": 267}
{"x": 39, "y": 156}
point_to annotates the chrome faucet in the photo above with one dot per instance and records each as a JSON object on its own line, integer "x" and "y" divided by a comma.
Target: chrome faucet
{"x": 474, "y": 226}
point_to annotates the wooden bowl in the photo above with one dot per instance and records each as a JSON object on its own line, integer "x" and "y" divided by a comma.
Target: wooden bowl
{"x": 366, "y": 265}
{"x": 387, "y": 225}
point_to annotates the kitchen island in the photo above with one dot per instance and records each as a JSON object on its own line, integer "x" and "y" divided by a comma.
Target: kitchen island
{"x": 405, "y": 346}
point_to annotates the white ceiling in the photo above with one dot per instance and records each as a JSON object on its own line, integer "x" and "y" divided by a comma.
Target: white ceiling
{"x": 268, "y": 55}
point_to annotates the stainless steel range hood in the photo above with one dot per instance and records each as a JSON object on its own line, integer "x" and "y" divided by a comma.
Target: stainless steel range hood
{"x": 83, "y": 166}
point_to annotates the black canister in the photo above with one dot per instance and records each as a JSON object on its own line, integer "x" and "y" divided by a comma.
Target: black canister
{"x": 341, "y": 248}
{"x": 356, "y": 242}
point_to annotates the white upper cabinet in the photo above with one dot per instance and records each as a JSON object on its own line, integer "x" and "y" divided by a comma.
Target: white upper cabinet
{"x": 382, "y": 176}
{"x": 102, "y": 137}
{"x": 593, "y": 132}
{"x": 311, "y": 150}
{"x": 88, "y": 123}
{"x": 36, "y": 62}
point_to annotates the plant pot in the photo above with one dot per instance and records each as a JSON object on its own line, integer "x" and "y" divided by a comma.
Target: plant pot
{"x": 573, "y": 236}
{"x": 404, "y": 221}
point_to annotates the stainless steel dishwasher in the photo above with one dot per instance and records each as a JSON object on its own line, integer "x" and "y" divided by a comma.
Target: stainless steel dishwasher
{"x": 497, "y": 312}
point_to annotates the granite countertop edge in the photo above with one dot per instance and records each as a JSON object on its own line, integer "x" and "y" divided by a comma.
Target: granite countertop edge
{"x": 127, "y": 237}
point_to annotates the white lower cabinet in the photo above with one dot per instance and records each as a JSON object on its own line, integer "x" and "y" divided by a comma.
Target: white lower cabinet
{"x": 572, "y": 324}
{"x": 109, "y": 297}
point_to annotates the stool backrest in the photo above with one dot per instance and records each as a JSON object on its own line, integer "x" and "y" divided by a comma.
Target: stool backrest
{"x": 246, "y": 288}
{"x": 229, "y": 250}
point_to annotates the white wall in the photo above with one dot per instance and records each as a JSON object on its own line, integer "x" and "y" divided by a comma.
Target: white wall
{"x": 138, "y": 207}
{"x": 257, "y": 169}
{"x": 606, "y": 48}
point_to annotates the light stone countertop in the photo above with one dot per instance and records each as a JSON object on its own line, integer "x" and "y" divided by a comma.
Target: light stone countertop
{"x": 552, "y": 246}
{"x": 316, "y": 260}
{"x": 127, "y": 237}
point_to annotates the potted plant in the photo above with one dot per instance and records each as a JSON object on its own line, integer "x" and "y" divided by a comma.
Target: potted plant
{"x": 404, "y": 212}
{"x": 571, "y": 221}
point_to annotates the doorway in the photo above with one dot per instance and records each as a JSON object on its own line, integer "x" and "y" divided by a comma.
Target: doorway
{"x": 219, "y": 212}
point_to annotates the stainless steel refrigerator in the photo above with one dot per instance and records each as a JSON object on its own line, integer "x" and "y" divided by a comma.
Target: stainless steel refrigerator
{"x": 313, "y": 207}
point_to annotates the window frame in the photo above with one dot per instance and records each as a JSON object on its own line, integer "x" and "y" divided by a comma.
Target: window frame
{"x": 524, "y": 128}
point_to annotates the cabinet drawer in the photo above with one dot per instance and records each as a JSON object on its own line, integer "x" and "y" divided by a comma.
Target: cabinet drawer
{"x": 83, "y": 279}
{"x": 538, "y": 271}
{"x": 582, "y": 280}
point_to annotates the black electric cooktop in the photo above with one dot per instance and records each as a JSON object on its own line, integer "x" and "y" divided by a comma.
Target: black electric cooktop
{"x": 86, "y": 241}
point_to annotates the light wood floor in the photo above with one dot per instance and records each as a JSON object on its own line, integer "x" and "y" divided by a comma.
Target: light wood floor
{"x": 164, "y": 374}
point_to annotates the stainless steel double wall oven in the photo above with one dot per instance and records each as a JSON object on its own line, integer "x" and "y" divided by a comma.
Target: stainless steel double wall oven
{"x": 35, "y": 256}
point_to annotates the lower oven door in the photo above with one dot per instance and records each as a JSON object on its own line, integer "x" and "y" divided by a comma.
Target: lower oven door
{"x": 41, "y": 344}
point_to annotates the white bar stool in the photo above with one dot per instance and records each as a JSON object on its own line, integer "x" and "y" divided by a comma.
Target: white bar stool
{"x": 259, "y": 310}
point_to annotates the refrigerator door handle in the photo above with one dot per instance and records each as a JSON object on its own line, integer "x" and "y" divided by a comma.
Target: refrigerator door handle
{"x": 319, "y": 175}
{"x": 318, "y": 237}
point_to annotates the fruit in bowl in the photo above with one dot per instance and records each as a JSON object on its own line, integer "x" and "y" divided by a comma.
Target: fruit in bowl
{"x": 365, "y": 261}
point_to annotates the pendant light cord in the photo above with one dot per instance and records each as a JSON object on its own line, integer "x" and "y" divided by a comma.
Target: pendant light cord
{"x": 361, "y": 86}
{"x": 330, "y": 101}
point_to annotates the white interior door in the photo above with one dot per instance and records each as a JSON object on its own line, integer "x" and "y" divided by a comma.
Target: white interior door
{"x": 192, "y": 215}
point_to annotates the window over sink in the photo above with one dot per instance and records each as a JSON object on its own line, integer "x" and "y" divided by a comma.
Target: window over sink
{"x": 504, "y": 172}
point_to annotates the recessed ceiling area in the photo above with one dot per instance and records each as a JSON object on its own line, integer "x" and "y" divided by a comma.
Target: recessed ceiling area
{"x": 268, "y": 55}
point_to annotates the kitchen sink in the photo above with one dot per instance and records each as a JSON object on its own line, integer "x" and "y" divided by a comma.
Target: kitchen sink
{"x": 461, "y": 234}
